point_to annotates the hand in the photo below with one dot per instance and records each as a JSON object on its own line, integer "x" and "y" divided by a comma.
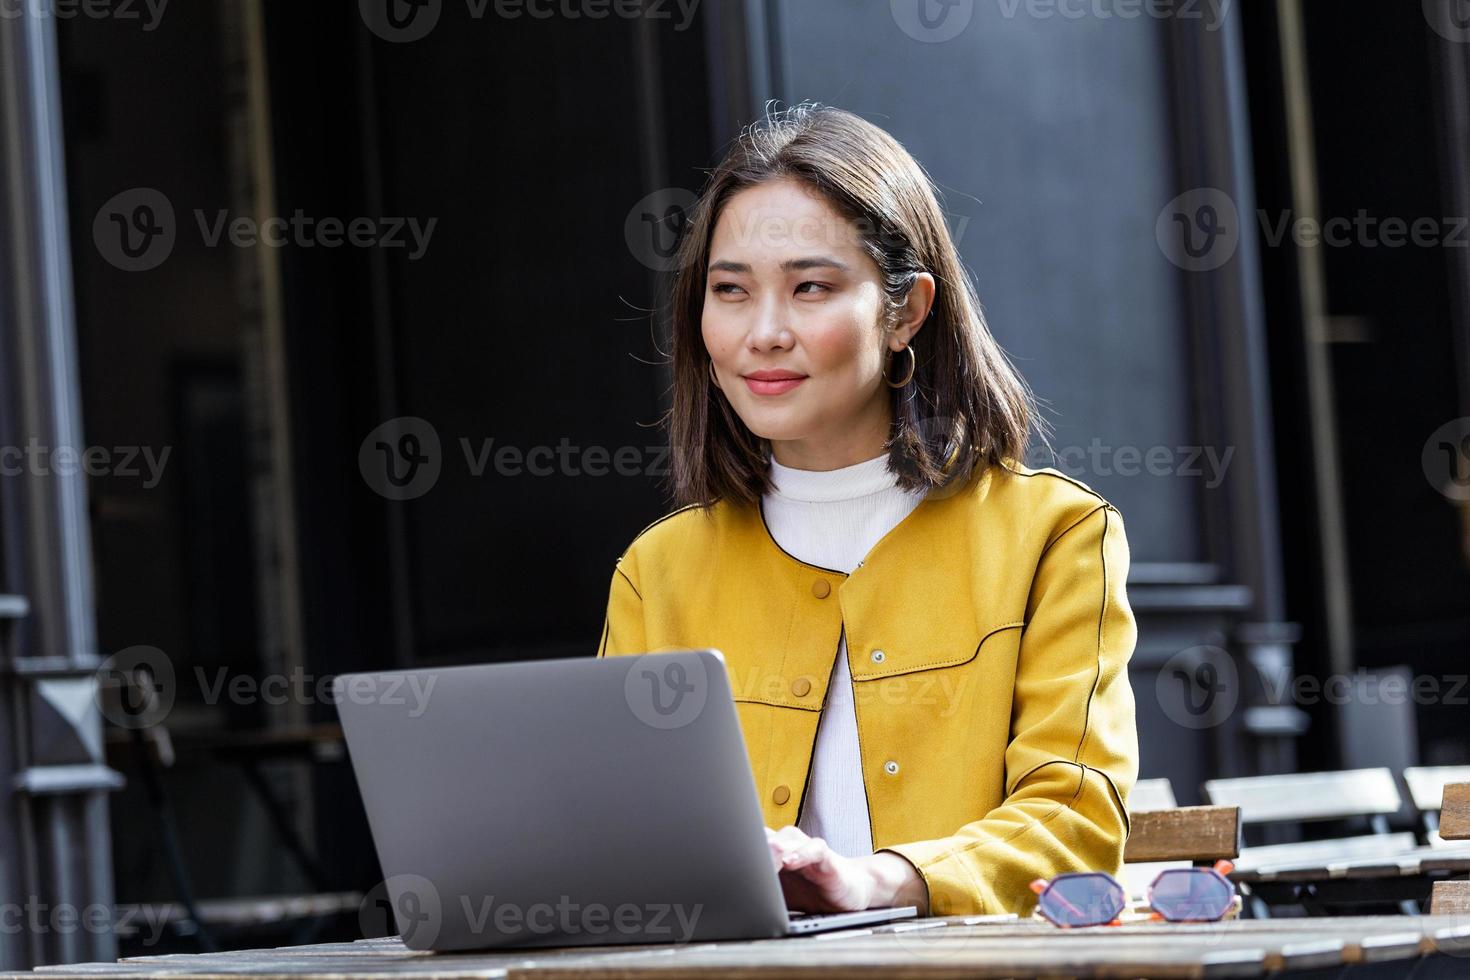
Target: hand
{"x": 815, "y": 878}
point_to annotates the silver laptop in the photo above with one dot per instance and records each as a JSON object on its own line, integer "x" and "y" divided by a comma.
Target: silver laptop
{"x": 567, "y": 803}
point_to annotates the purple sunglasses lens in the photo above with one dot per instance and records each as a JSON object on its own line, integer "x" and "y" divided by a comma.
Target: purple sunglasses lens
{"x": 1191, "y": 895}
{"x": 1085, "y": 899}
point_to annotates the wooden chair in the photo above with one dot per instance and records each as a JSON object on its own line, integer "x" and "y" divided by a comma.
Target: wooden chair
{"x": 1453, "y": 897}
{"x": 1426, "y": 789}
{"x": 1163, "y": 835}
{"x": 1152, "y": 794}
{"x": 1371, "y": 795}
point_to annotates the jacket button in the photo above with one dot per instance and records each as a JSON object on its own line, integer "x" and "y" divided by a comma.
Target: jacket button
{"x": 801, "y": 687}
{"x": 781, "y": 795}
{"x": 879, "y": 656}
{"x": 820, "y": 588}
{"x": 890, "y": 767}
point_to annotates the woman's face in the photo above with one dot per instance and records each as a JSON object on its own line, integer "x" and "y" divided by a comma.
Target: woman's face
{"x": 791, "y": 322}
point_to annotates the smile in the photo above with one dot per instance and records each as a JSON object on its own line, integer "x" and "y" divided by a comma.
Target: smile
{"x": 775, "y": 386}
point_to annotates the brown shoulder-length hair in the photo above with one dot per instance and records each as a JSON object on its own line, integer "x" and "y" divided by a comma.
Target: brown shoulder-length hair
{"x": 966, "y": 406}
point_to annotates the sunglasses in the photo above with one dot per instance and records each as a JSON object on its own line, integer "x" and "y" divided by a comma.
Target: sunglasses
{"x": 1095, "y": 898}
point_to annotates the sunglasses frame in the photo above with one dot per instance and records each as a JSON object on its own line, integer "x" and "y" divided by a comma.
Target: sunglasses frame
{"x": 1220, "y": 869}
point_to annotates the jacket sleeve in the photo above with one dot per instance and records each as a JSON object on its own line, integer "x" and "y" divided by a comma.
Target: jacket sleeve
{"x": 622, "y": 628}
{"x": 1073, "y": 755}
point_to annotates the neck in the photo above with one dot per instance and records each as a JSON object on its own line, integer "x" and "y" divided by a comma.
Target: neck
{"x": 857, "y": 443}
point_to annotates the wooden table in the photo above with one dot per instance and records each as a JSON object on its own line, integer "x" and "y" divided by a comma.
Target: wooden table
{"x": 986, "y": 946}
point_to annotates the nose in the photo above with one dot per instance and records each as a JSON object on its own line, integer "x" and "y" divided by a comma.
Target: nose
{"x": 769, "y": 331}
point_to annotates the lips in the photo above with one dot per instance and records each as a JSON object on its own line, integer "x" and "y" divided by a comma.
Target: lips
{"x": 770, "y": 382}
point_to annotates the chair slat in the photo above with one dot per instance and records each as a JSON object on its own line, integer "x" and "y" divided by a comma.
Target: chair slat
{"x": 1308, "y": 795}
{"x": 1450, "y": 898}
{"x": 1426, "y": 784}
{"x": 1454, "y": 815}
{"x": 1152, "y": 794}
{"x": 1188, "y": 833}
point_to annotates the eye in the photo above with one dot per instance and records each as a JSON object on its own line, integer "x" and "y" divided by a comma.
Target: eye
{"x": 821, "y": 286}
{"x": 724, "y": 287}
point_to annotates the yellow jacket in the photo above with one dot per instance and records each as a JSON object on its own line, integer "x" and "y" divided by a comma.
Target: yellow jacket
{"x": 989, "y": 635}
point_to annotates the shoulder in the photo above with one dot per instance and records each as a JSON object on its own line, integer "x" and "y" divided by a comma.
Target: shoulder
{"x": 1038, "y": 497}
{"x": 690, "y": 529}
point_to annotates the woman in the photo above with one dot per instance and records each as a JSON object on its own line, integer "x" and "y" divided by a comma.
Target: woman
{"x": 927, "y": 641}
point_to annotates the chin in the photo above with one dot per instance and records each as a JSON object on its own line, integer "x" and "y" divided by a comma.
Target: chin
{"x": 773, "y": 429}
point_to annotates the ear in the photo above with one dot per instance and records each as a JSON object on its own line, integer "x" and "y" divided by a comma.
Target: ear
{"x": 915, "y": 311}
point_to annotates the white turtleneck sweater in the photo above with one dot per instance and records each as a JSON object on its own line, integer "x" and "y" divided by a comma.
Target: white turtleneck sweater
{"x": 832, "y": 518}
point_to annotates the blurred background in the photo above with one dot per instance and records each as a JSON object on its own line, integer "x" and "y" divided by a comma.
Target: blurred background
{"x": 330, "y": 339}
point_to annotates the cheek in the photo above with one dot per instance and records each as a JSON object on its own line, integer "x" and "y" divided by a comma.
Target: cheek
{"x": 845, "y": 346}
{"x": 717, "y": 330}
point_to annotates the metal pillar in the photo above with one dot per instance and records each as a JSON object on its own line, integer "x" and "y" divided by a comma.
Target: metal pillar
{"x": 55, "y": 850}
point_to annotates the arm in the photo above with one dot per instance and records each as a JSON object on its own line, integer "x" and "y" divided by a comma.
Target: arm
{"x": 622, "y": 627}
{"x": 1073, "y": 755}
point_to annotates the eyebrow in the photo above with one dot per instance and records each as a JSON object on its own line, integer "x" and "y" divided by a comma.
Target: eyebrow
{"x": 790, "y": 265}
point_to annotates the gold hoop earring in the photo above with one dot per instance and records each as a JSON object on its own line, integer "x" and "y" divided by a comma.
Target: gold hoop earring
{"x": 713, "y": 379}
{"x": 913, "y": 363}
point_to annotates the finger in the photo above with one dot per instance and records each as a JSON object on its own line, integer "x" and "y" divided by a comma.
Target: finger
{"x": 813, "y": 855}
{"x": 786, "y": 840}
{"x": 792, "y": 835}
